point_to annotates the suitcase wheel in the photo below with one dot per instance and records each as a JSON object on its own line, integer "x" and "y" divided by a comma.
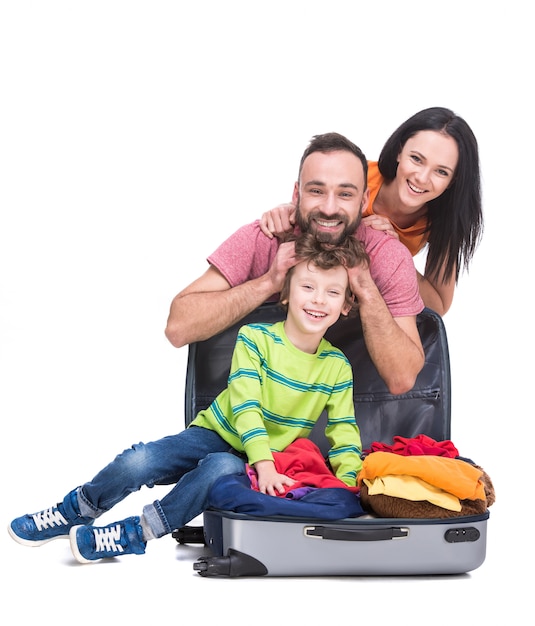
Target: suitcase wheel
{"x": 189, "y": 534}
{"x": 233, "y": 565}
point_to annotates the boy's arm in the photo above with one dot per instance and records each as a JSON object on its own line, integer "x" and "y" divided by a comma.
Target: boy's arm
{"x": 246, "y": 398}
{"x": 342, "y": 431}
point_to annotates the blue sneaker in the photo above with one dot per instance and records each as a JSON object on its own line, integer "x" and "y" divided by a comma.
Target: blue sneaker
{"x": 90, "y": 544}
{"x": 36, "y": 529}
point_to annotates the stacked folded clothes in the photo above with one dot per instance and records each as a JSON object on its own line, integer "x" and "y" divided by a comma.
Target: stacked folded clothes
{"x": 422, "y": 478}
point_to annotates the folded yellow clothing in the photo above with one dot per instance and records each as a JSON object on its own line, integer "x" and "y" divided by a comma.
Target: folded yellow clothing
{"x": 412, "y": 488}
{"x": 452, "y": 475}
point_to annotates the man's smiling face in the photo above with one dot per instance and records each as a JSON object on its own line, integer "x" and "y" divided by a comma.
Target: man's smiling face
{"x": 330, "y": 195}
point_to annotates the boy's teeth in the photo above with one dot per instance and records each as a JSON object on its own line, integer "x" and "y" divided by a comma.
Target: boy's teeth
{"x": 315, "y": 313}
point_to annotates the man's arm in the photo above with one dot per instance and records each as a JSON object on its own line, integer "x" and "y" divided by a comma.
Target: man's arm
{"x": 394, "y": 344}
{"x": 209, "y": 305}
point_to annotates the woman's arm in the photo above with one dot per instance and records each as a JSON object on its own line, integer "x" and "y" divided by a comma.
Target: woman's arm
{"x": 437, "y": 294}
{"x": 278, "y": 221}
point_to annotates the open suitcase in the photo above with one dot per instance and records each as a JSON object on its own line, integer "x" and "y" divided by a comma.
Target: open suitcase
{"x": 248, "y": 545}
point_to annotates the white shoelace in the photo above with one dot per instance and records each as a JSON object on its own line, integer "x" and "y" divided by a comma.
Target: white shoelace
{"x": 49, "y": 518}
{"x": 107, "y": 539}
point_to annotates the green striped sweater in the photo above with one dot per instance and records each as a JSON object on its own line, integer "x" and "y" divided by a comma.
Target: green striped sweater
{"x": 276, "y": 393}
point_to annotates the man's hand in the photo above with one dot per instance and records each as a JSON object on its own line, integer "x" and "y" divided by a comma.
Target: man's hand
{"x": 283, "y": 261}
{"x": 361, "y": 281}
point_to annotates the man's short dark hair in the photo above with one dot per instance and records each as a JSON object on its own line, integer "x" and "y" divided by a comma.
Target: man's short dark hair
{"x": 331, "y": 142}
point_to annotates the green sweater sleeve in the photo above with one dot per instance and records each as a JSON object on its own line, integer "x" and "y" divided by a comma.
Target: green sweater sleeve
{"x": 342, "y": 431}
{"x": 246, "y": 396}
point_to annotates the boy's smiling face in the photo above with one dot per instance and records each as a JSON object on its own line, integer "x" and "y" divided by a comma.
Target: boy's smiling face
{"x": 316, "y": 299}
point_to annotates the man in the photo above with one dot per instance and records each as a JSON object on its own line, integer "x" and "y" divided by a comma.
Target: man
{"x": 249, "y": 268}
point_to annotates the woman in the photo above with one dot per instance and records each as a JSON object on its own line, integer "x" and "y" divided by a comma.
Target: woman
{"x": 425, "y": 190}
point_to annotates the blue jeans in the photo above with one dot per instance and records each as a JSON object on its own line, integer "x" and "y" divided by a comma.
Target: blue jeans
{"x": 192, "y": 459}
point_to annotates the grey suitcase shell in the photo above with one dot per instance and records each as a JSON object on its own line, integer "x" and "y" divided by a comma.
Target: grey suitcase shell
{"x": 245, "y": 545}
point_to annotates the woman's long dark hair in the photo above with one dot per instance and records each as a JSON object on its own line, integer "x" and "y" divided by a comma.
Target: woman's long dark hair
{"x": 455, "y": 218}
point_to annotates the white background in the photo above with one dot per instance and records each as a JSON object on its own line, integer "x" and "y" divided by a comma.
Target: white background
{"x": 134, "y": 137}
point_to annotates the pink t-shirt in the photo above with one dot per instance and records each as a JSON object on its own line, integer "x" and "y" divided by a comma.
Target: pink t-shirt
{"x": 248, "y": 254}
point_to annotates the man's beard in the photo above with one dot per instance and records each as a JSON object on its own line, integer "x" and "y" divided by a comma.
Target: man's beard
{"x": 309, "y": 225}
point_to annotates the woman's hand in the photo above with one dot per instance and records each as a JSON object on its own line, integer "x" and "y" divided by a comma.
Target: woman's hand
{"x": 379, "y": 222}
{"x": 278, "y": 221}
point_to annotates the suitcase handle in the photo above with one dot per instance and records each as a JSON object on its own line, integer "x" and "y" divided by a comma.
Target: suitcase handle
{"x": 339, "y": 534}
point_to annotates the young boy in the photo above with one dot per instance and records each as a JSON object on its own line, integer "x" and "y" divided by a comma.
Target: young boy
{"x": 282, "y": 377}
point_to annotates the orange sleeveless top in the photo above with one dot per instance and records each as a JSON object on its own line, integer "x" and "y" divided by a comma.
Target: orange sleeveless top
{"x": 413, "y": 237}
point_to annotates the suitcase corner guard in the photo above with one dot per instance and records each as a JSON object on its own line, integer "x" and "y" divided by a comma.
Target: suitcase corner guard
{"x": 234, "y": 564}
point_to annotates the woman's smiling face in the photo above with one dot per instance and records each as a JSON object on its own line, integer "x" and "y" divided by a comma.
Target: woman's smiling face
{"x": 426, "y": 167}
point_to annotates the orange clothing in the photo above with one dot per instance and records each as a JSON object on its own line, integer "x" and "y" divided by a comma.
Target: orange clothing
{"x": 413, "y": 237}
{"x": 452, "y": 475}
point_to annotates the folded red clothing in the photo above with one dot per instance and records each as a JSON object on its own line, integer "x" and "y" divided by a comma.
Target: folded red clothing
{"x": 421, "y": 444}
{"x": 302, "y": 460}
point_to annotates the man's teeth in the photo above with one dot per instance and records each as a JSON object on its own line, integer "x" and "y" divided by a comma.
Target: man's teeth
{"x": 328, "y": 224}
{"x": 415, "y": 189}
{"x": 315, "y": 313}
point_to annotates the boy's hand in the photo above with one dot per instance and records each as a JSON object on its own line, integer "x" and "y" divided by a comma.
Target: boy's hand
{"x": 269, "y": 480}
